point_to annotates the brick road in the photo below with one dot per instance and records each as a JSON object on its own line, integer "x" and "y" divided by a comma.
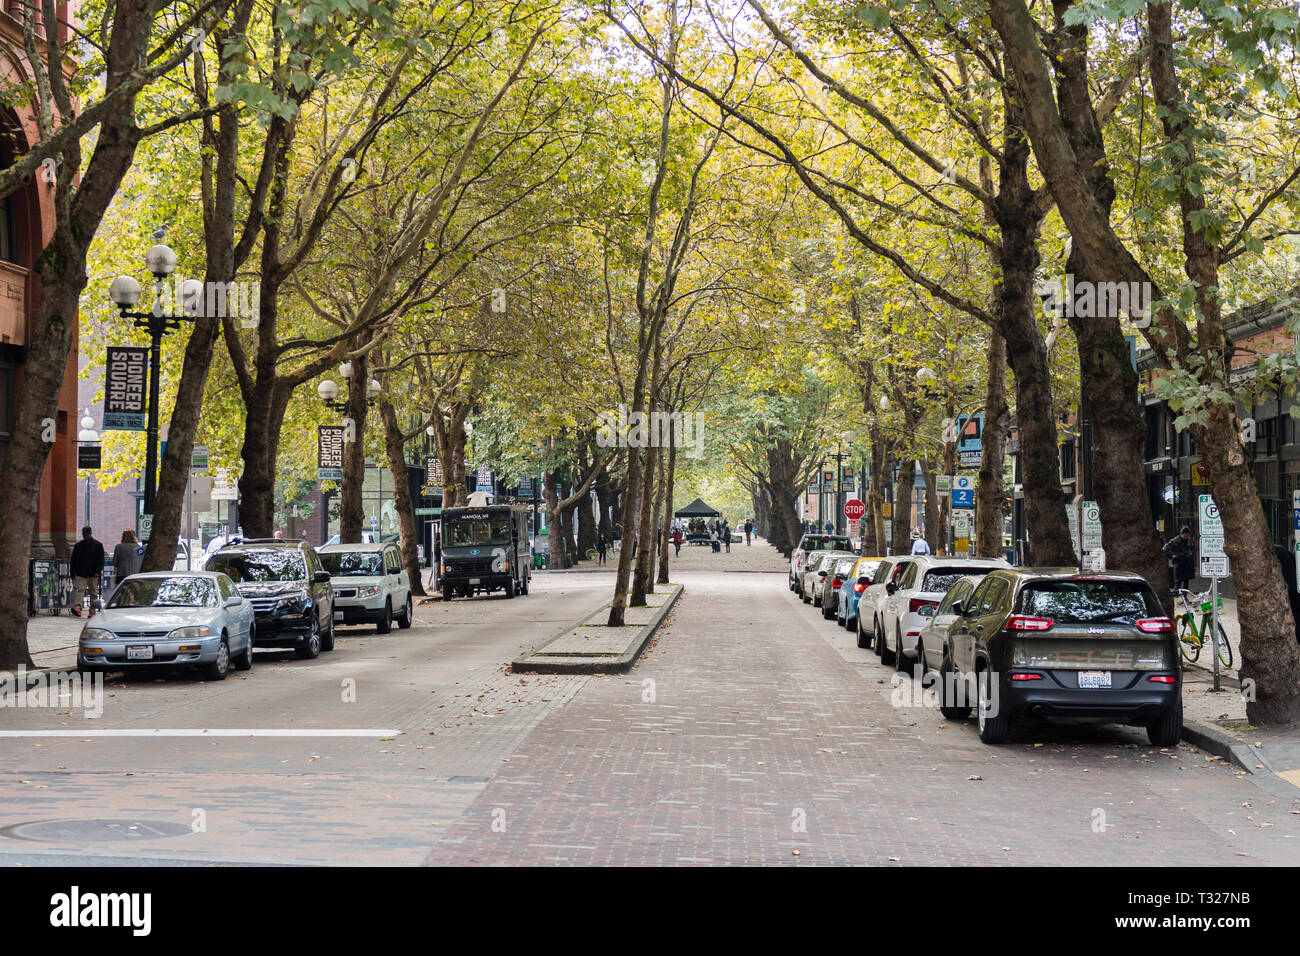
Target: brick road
{"x": 772, "y": 739}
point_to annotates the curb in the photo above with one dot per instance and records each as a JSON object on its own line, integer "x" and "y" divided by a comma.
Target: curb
{"x": 1215, "y": 740}
{"x": 528, "y": 664}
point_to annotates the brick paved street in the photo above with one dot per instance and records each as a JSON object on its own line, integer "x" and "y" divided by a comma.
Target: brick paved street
{"x": 764, "y": 717}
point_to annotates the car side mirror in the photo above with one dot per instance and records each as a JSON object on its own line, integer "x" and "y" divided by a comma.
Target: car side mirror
{"x": 891, "y": 588}
{"x": 234, "y": 601}
{"x": 821, "y": 574}
{"x": 958, "y": 608}
{"x": 927, "y": 610}
{"x": 321, "y": 577}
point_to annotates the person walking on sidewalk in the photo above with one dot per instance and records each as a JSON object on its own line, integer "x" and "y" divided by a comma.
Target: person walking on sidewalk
{"x": 919, "y": 544}
{"x": 87, "y": 566}
{"x": 602, "y": 545}
{"x": 726, "y": 535}
{"x": 749, "y": 531}
{"x": 126, "y": 557}
{"x": 1180, "y": 550}
{"x": 677, "y": 541}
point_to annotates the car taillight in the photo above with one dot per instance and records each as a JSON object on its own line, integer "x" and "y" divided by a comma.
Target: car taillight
{"x": 859, "y": 588}
{"x": 915, "y": 604}
{"x": 1162, "y": 679}
{"x": 1156, "y": 625}
{"x": 837, "y": 582}
{"x": 1023, "y": 622}
{"x": 1026, "y": 676}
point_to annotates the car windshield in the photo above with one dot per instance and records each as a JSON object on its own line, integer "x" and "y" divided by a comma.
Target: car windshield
{"x": 352, "y": 563}
{"x": 1081, "y": 601}
{"x": 165, "y": 592}
{"x": 844, "y": 567}
{"x": 244, "y": 567}
{"x": 828, "y": 544}
{"x": 487, "y": 529}
{"x": 941, "y": 579}
{"x": 867, "y": 568}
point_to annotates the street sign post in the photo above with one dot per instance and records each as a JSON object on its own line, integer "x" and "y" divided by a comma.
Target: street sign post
{"x": 963, "y": 491}
{"x": 1214, "y": 562}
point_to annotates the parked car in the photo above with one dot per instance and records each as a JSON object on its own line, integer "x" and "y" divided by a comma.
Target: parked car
{"x": 846, "y": 609}
{"x": 819, "y": 569}
{"x": 810, "y": 543}
{"x": 1050, "y": 642}
{"x": 934, "y": 635}
{"x": 922, "y": 585}
{"x": 171, "y": 619}
{"x": 369, "y": 581}
{"x": 868, "y": 626}
{"x": 289, "y": 590}
{"x": 836, "y": 581}
{"x": 184, "y": 548}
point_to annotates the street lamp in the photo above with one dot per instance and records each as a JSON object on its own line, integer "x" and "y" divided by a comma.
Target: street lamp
{"x": 124, "y": 291}
{"x": 87, "y": 437}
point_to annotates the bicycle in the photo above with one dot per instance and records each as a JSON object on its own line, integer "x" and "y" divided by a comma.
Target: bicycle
{"x": 1192, "y": 638}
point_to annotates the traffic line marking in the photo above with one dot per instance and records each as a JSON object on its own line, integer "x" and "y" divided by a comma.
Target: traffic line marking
{"x": 202, "y": 732}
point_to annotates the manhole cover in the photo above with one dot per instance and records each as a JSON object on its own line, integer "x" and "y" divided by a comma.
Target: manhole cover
{"x": 95, "y": 831}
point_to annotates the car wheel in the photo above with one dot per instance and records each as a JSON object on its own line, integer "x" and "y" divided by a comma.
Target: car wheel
{"x": 993, "y": 727}
{"x": 446, "y": 593}
{"x": 888, "y": 655}
{"x": 1168, "y": 730}
{"x": 523, "y": 588}
{"x": 311, "y": 649}
{"x": 510, "y": 588}
{"x": 878, "y": 640}
{"x": 904, "y": 664}
{"x": 863, "y": 640}
{"x": 407, "y": 618}
{"x": 327, "y": 639}
{"x": 244, "y": 661}
{"x": 385, "y": 623}
{"x": 827, "y": 611}
{"x": 949, "y": 705}
{"x": 219, "y": 668}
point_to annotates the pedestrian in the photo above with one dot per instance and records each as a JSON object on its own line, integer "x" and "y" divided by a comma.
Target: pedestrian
{"x": 726, "y": 535}
{"x": 602, "y": 544}
{"x": 126, "y": 557}
{"x": 830, "y": 527}
{"x": 749, "y": 531}
{"x": 1179, "y": 550}
{"x": 636, "y": 542}
{"x": 677, "y": 541}
{"x": 919, "y": 544}
{"x": 87, "y": 565}
{"x": 279, "y": 536}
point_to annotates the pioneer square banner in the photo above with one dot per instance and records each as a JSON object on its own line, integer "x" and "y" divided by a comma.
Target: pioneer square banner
{"x": 432, "y": 471}
{"x": 329, "y": 448}
{"x": 125, "y": 381}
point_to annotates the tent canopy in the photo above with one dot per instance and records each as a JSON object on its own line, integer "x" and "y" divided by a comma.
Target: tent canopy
{"x": 696, "y": 509}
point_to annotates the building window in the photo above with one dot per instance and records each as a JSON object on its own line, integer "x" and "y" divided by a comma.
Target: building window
{"x": 8, "y": 235}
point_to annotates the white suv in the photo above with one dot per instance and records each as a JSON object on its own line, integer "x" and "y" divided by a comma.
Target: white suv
{"x": 370, "y": 585}
{"x": 921, "y": 585}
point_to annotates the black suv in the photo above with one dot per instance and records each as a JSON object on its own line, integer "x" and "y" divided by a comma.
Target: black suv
{"x": 289, "y": 589}
{"x": 1050, "y": 642}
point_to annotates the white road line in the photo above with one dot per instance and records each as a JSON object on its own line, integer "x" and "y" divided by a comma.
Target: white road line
{"x": 201, "y": 732}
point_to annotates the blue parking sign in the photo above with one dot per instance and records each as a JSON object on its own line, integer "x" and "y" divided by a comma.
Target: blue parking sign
{"x": 963, "y": 492}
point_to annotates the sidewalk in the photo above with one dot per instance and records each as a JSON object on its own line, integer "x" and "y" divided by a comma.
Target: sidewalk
{"x": 52, "y": 639}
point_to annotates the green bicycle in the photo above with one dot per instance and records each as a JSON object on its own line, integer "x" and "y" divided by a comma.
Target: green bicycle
{"x": 1192, "y": 637}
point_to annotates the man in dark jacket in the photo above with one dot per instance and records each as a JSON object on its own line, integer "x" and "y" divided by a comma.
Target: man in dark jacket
{"x": 1180, "y": 549}
{"x": 87, "y": 566}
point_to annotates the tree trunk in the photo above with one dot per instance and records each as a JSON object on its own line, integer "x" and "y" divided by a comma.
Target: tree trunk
{"x": 873, "y": 529}
{"x": 667, "y": 501}
{"x": 645, "y": 529}
{"x": 352, "y": 516}
{"x": 395, "y": 445}
{"x": 933, "y": 536}
{"x": 631, "y": 494}
{"x": 989, "y": 491}
{"x": 559, "y": 556}
{"x": 903, "y": 495}
{"x": 587, "y": 524}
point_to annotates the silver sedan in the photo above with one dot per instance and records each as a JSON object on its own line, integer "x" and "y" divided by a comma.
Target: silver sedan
{"x": 171, "y": 619}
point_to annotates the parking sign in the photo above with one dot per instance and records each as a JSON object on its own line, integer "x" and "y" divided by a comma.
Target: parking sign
{"x": 963, "y": 492}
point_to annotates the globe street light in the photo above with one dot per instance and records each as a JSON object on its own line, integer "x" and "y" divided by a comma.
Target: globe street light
{"x": 124, "y": 291}
{"x": 88, "y": 438}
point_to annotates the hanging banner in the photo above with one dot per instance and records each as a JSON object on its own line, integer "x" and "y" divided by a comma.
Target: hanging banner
{"x": 433, "y": 471}
{"x": 125, "y": 382}
{"x": 88, "y": 457}
{"x": 329, "y": 451}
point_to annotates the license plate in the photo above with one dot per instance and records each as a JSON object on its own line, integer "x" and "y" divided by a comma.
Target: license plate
{"x": 144, "y": 653}
{"x": 473, "y": 580}
{"x": 338, "y": 617}
{"x": 1094, "y": 678}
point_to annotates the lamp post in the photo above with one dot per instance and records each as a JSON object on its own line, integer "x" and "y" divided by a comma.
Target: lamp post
{"x": 87, "y": 437}
{"x": 328, "y": 393}
{"x": 160, "y": 260}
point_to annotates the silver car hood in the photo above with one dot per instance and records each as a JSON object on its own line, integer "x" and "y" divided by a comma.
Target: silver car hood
{"x": 266, "y": 588}
{"x": 154, "y": 618}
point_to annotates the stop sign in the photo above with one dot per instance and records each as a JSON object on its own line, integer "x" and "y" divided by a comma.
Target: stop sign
{"x": 854, "y": 509}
